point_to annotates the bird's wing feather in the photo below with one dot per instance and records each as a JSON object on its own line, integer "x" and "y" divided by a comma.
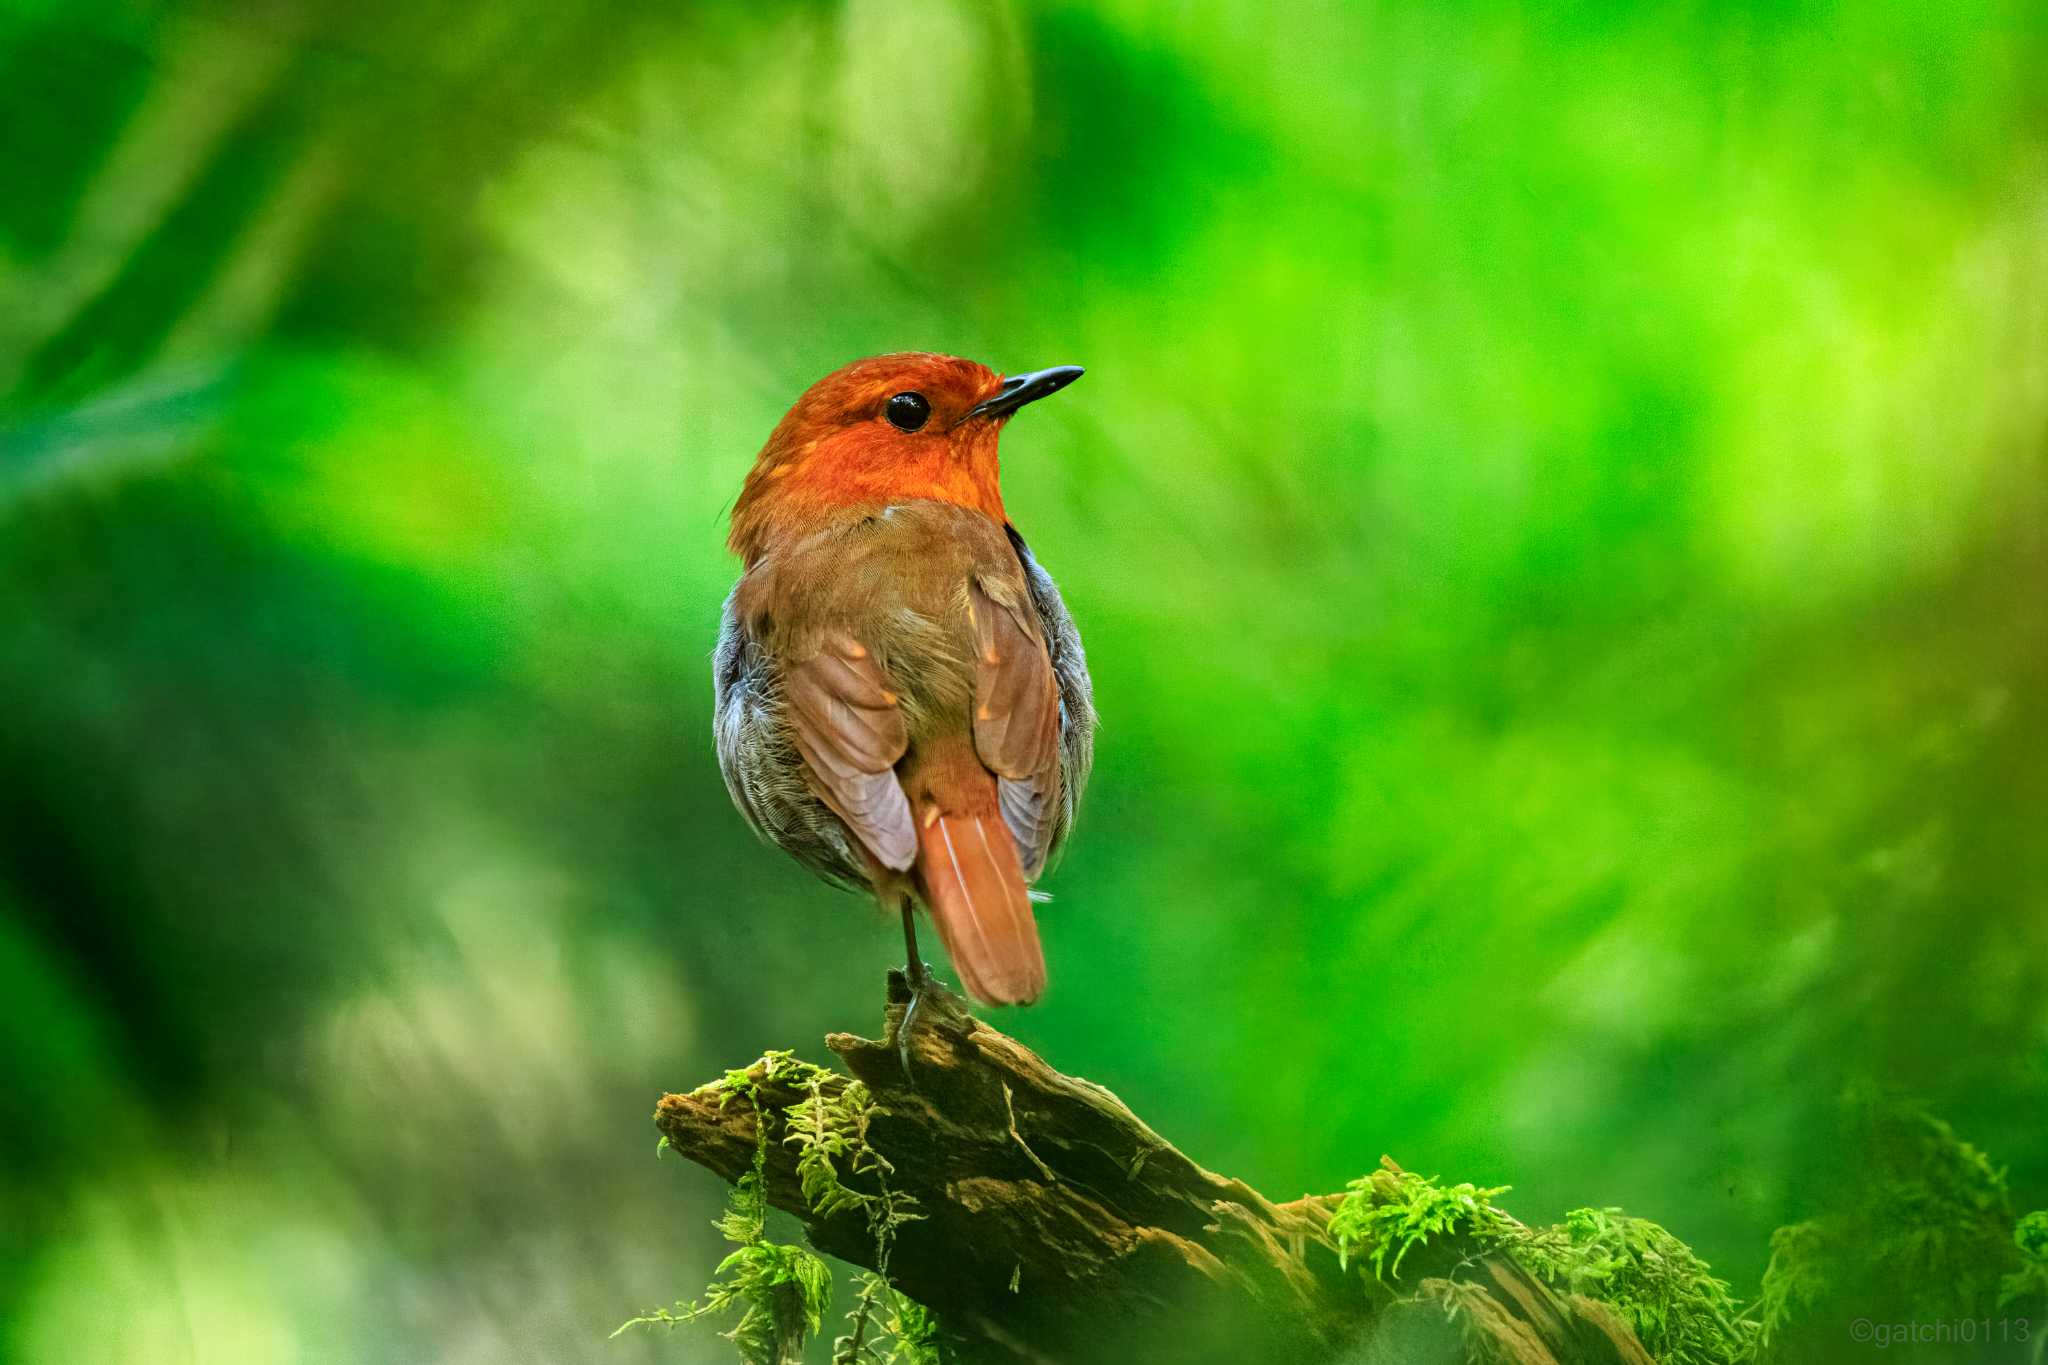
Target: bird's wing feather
{"x": 849, "y": 727}
{"x": 1016, "y": 715}
{"x": 1070, "y": 670}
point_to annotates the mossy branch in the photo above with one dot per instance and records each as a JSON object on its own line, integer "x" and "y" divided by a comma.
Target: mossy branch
{"x": 1038, "y": 1219}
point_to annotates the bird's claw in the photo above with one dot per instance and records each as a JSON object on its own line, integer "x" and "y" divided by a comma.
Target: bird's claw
{"x": 919, "y": 978}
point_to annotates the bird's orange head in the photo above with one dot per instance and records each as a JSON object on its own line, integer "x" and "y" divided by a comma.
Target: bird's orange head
{"x": 910, "y": 425}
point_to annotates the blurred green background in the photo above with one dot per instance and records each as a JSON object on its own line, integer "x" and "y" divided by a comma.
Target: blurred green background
{"x": 1558, "y": 511}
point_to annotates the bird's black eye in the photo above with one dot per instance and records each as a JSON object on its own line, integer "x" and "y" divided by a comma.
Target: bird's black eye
{"x": 909, "y": 411}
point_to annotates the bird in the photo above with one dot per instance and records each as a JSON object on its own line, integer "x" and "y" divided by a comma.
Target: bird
{"x": 901, "y": 699}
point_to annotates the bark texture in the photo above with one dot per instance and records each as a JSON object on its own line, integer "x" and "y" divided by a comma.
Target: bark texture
{"x": 1059, "y": 1227}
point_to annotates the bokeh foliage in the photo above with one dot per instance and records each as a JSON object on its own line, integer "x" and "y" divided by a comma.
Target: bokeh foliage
{"x": 1558, "y": 511}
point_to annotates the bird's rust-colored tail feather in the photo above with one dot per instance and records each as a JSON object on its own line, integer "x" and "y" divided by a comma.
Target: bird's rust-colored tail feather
{"x": 967, "y": 866}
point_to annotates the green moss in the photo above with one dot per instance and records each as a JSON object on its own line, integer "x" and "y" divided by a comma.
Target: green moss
{"x": 779, "y": 1290}
{"x": 782, "y": 1290}
{"x": 1923, "y": 1224}
{"x": 1937, "y": 1211}
{"x": 830, "y": 1133}
{"x": 774, "y": 1286}
{"x": 1389, "y": 1213}
{"x": 1666, "y": 1293}
{"x": 887, "y": 1328}
{"x": 1795, "y": 1281}
{"x": 779, "y": 1067}
{"x": 1921, "y": 1227}
{"x": 1930, "y": 1215}
{"x": 2030, "y": 1281}
{"x": 1680, "y": 1312}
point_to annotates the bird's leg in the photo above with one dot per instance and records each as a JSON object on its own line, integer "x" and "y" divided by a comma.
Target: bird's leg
{"x": 919, "y": 978}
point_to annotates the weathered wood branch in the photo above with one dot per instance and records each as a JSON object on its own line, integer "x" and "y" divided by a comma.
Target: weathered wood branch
{"x": 1059, "y": 1227}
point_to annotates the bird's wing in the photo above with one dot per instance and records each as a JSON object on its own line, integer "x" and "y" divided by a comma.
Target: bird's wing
{"x": 1070, "y": 671}
{"x": 1016, "y": 714}
{"x": 850, "y": 730}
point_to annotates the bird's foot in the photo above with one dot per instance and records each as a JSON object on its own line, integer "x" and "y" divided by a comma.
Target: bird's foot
{"x": 918, "y": 976}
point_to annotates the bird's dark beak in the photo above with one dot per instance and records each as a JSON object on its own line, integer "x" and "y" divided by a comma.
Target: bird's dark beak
{"x": 1020, "y": 389}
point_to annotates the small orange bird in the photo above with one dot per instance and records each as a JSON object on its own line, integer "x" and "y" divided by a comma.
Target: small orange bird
{"x": 902, "y": 701}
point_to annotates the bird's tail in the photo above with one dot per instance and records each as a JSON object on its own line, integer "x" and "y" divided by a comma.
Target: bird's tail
{"x": 968, "y": 867}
